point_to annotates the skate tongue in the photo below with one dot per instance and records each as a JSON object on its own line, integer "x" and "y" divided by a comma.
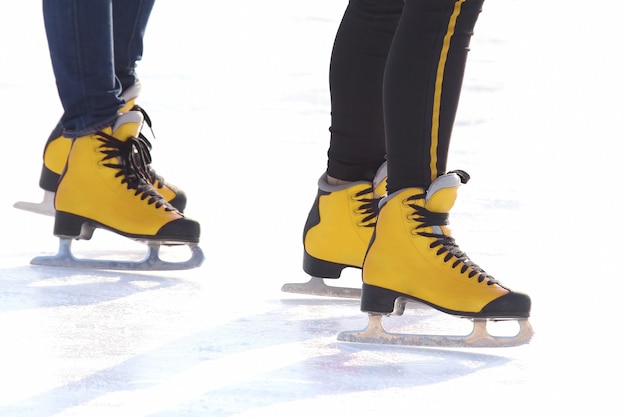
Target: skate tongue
{"x": 128, "y": 125}
{"x": 380, "y": 181}
{"x": 132, "y": 92}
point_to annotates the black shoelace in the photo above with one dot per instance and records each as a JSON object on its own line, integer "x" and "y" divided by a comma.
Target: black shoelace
{"x": 156, "y": 180}
{"x": 133, "y": 158}
{"x": 368, "y": 207}
{"x": 446, "y": 244}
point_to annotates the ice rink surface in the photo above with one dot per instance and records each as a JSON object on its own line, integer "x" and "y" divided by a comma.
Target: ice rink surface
{"x": 239, "y": 100}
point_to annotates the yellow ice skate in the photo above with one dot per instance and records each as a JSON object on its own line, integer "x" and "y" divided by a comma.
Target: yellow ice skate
{"x": 57, "y": 150}
{"x": 106, "y": 185}
{"x": 337, "y": 232}
{"x": 413, "y": 258}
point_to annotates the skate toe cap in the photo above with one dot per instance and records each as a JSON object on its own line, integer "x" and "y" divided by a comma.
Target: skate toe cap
{"x": 510, "y": 305}
{"x": 181, "y": 230}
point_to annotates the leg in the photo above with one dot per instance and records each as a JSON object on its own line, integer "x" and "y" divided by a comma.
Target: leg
{"x": 86, "y": 83}
{"x": 412, "y": 255}
{"x": 357, "y": 141}
{"x": 130, "y": 18}
{"x": 340, "y": 223}
{"x": 83, "y": 65}
{"x": 422, "y": 87}
{"x": 105, "y": 181}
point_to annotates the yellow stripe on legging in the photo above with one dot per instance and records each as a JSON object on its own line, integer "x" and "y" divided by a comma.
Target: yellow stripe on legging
{"x": 439, "y": 87}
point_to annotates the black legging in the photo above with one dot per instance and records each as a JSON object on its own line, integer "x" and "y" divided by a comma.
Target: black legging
{"x": 395, "y": 80}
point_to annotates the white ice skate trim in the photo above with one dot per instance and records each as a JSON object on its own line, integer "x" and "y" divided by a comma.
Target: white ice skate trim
{"x": 132, "y": 92}
{"x": 152, "y": 261}
{"x": 317, "y": 286}
{"x": 374, "y": 333}
{"x": 128, "y": 117}
{"x": 46, "y": 207}
{"x": 445, "y": 181}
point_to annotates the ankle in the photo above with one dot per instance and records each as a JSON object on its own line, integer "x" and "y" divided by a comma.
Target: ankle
{"x": 335, "y": 181}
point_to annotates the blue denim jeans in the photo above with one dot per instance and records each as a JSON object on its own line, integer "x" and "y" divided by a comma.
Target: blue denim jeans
{"x": 94, "y": 47}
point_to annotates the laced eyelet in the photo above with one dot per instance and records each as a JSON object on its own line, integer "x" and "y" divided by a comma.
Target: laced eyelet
{"x": 132, "y": 159}
{"x": 444, "y": 245}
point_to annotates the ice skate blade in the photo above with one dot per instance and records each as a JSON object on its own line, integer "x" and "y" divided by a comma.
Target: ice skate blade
{"x": 152, "y": 261}
{"x": 478, "y": 338}
{"x": 46, "y": 207}
{"x": 317, "y": 286}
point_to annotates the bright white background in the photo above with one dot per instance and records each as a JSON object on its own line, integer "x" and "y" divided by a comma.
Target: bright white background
{"x": 238, "y": 96}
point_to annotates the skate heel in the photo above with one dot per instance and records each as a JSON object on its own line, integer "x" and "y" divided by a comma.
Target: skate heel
{"x": 321, "y": 269}
{"x": 380, "y": 300}
{"x": 48, "y": 179}
{"x": 71, "y": 226}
